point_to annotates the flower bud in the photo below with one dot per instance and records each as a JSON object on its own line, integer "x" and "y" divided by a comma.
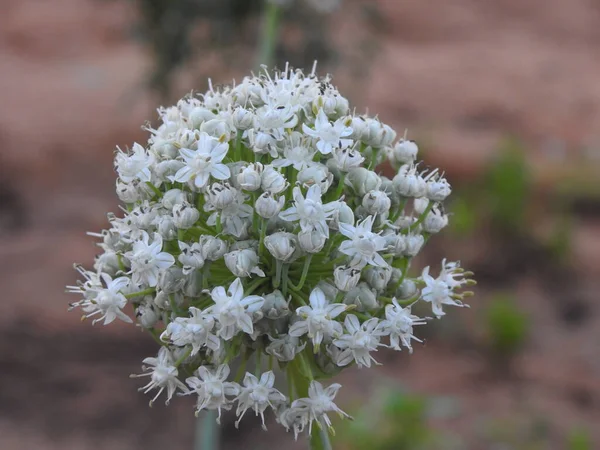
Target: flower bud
{"x": 130, "y": 192}
{"x": 435, "y": 221}
{"x": 376, "y": 202}
{"x": 250, "y": 178}
{"x": 273, "y": 181}
{"x": 413, "y": 243}
{"x": 420, "y": 205}
{"x": 146, "y": 316}
{"x": 185, "y": 216}
{"x": 235, "y": 168}
{"x": 362, "y": 296}
{"x": 173, "y": 197}
{"x": 275, "y": 306}
{"x": 166, "y": 169}
{"x": 221, "y": 195}
{"x": 363, "y": 180}
{"x": 311, "y": 241}
{"x": 438, "y": 190}
{"x": 342, "y": 214}
{"x": 346, "y": 278}
{"x": 107, "y": 262}
{"x": 266, "y": 206}
{"x": 282, "y": 245}
{"x": 217, "y": 128}
{"x": 346, "y": 158}
{"x": 171, "y": 280}
{"x": 377, "y": 134}
{"x": 244, "y": 262}
{"x": 409, "y": 183}
{"x": 199, "y": 115}
{"x": 186, "y": 138}
{"x": 318, "y": 174}
{"x": 404, "y": 152}
{"x": 285, "y": 347}
{"x": 378, "y": 277}
{"x": 213, "y": 248}
{"x": 242, "y": 119}
{"x": 407, "y": 289}
{"x": 165, "y": 226}
{"x": 191, "y": 257}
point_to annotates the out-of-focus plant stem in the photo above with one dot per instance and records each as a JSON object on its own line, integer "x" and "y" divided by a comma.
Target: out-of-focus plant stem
{"x": 207, "y": 432}
{"x": 269, "y": 35}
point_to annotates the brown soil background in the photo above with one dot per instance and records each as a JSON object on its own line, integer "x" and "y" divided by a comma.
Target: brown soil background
{"x": 459, "y": 74}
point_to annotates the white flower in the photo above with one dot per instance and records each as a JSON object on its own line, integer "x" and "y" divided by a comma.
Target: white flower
{"x": 311, "y": 212}
{"x": 346, "y": 278}
{"x": 250, "y": 178}
{"x": 195, "y": 330}
{"x": 363, "y": 180}
{"x": 363, "y": 244}
{"x": 296, "y": 154}
{"x": 328, "y": 135}
{"x": 273, "y": 181}
{"x": 234, "y": 217}
{"x": 212, "y": 389}
{"x": 191, "y": 257}
{"x": 282, "y": 245}
{"x": 163, "y": 375}
{"x": 185, "y": 216}
{"x": 258, "y": 395}
{"x": 232, "y": 310}
{"x": 311, "y": 241}
{"x": 438, "y": 189}
{"x": 409, "y": 183}
{"x": 220, "y": 196}
{"x": 435, "y": 221}
{"x": 267, "y": 206}
{"x": 376, "y": 202}
{"x": 399, "y": 324}
{"x": 439, "y": 291}
{"x": 147, "y": 260}
{"x": 317, "y": 174}
{"x": 346, "y": 159}
{"x": 285, "y": 347}
{"x": 319, "y": 403}
{"x": 404, "y": 152}
{"x": 109, "y": 301}
{"x": 135, "y": 166}
{"x": 204, "y": 162}
{"x": 359, "y": 342}
{"x": 318, "y": 319}
{"x": 243, "y": 262}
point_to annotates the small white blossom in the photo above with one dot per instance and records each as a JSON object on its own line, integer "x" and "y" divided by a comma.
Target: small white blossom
{"x": 204, "y": 162}
{"x": 363, "y": 245}
{"x": 361, "y": 340}
{"x": 243, "y": 263}
{"x": 232, "y": 310}
{"x": 399, "y": 324}
{"x": 267, "y": 206}
{"x": 191, "y": 257}
{"x": 135, "y": 166}
{"x": 319, "y": 403}
{"x": 439, "y": 291}
{"x": 328, "y": 135}
{"x": 310, "y": 211}
{"x": 163, "y": 375}
{"x": 147, "y": 260}
{"x": 258, "y": 395}
{"x": 318, "y": 319}
{"x": 195, "y": 330}
{"x": 108, "y": 302}
{"x": 213, "y": 389}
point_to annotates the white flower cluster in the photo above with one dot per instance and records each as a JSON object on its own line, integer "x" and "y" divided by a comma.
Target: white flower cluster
{"x": 255, "y": 226}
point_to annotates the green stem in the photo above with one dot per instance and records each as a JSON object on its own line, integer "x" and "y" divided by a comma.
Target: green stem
{"x": 268, "y": 40}
{"x": 207, "y": 432}
{"x": 304, "y": 272}
{"x": 140, "y": 293}
{"x": 277, "y": 280}
{"x": 340, "y": 187}
{"x": 319, "y": 439}
{"x": 154, "y": 189}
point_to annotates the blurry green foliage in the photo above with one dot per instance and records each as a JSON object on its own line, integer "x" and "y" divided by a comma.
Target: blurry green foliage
{"x": 507, "y": 185}
{"x": 507, "y": 326}
{"x": 520, "y": 432}
{"x": 398, "y": 421}
{"x": 579, "y": 439}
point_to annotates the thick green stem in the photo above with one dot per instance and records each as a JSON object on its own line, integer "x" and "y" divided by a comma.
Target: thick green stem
{"x": 319, "y": 438}
{"x": 207, "y": 432}
{"x": 268, "y": 40}
{"x": 304, "y": 272}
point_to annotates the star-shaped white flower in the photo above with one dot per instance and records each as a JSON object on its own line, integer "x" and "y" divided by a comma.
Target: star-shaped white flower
{"x": 439, "y": 291}
{"x": 399, "y": 324}
{"x": 109, "y": 301}
{"x": 232, "y": 310}
{"x": 213, "y": 389}
{"x": 318, "y": 319}
{"x": 360, "y": 341}
{"x": 135, "y": 166}
{"x": 363, "y": 245}
{"x": 147, "y": 260}
{"x": 328, "y": 135}
{"x": 204, "y": 162}
{"x": 310, "y": 211}
{"x": 258, "y": 395}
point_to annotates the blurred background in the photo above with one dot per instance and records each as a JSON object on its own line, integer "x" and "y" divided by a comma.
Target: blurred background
{"x": 503, "y": 95}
